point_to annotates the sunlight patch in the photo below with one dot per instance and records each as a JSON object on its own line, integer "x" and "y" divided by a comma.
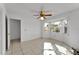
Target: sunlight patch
{"x": 48, "y": 45}
{"x": 48, "y": 49}
{"x": 63, "y": 50}
{"x": 47, "y": 52}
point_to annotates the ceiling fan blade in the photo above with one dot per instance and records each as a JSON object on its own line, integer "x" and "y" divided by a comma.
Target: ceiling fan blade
{"x": 38, "y": 17}
{"x": 45, "y": 17}
{"x": 48, "y": 14}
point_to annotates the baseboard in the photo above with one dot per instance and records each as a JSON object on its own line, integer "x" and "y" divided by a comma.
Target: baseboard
{"x": 31, "y": 39}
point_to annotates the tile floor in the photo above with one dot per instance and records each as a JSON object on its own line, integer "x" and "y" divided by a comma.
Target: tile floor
{"x": 39, "y": 47}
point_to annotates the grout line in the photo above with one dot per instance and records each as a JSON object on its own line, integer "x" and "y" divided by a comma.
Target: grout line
{"x": 12, "y": 47}
{"x": 21, "y": 48}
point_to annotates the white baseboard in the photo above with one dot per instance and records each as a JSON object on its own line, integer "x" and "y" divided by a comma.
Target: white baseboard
{"x": 31, "y": 39}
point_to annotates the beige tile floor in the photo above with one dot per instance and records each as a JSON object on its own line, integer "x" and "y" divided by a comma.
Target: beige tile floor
{"x": 36, "y": 47}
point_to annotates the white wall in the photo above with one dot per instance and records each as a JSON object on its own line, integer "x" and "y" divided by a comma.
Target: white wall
{"x": 74, "y": 29}
{"x": 15, "y": 29}
{"x": 2, "y": 29}
{"x": 31, "y": 29}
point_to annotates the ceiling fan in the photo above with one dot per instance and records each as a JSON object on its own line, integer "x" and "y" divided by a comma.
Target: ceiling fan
{"x": 43, "y": 14}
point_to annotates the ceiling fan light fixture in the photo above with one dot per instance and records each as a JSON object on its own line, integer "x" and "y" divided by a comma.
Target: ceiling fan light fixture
{"x": 41, "y": 18}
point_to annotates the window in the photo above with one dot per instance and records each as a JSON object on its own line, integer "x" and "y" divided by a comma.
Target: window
{"x": 55, "y": 26}
{"x": 46, "y": 27}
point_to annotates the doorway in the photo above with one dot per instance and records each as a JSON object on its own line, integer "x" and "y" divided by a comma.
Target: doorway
{"x": 13, "y": 33}
{"x": 15, "y": 30}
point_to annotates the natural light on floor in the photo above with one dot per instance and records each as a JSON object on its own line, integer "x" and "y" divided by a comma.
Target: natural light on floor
{"x": 62, "y": 50}
{"x": 48, "y": 49}
{"x": 55, "y": 49}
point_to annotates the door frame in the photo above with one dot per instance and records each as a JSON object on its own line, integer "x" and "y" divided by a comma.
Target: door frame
{"x": 7, "y": 32}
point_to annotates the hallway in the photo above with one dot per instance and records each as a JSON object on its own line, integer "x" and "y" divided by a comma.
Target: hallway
{"x": 39, "y": 47}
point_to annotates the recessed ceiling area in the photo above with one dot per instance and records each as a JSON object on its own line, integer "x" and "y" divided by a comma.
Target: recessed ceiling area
{"x": 30, "y": 8}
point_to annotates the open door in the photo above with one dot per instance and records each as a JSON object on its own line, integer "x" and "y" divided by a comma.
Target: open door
{"x": 6, "y": 25}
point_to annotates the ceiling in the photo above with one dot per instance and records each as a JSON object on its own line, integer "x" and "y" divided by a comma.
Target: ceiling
{"x": 56, "y": 8}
